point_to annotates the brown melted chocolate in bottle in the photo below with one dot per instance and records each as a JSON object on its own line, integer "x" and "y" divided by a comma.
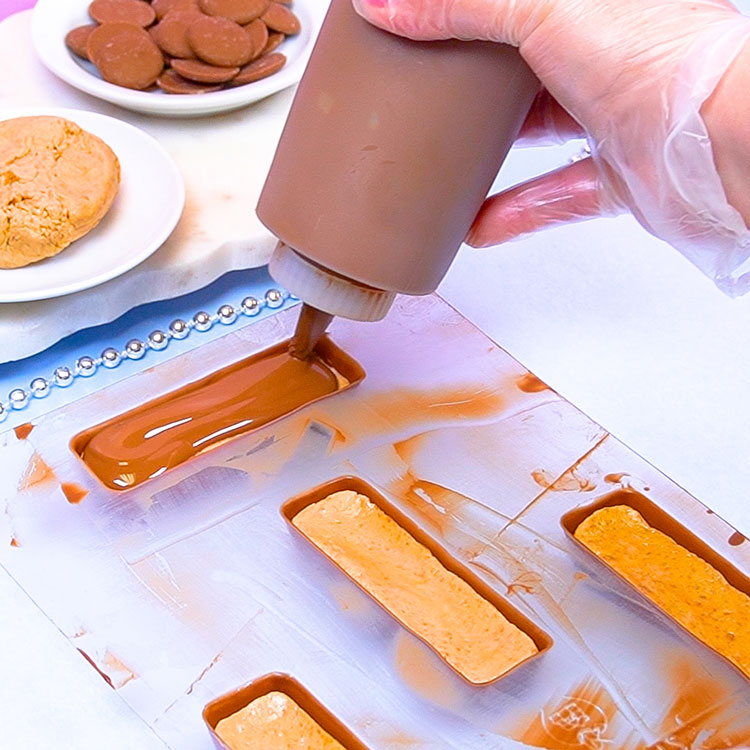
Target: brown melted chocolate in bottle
{"x": 389, "y": 150}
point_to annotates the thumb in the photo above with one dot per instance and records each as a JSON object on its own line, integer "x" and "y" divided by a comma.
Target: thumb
{"x": 573, "y": 193}
{"x": 509, "y": 21}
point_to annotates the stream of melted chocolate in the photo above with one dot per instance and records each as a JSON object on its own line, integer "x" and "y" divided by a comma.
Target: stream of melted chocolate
{"x": 161, "y": 434}
{"x": 311, "y": 325}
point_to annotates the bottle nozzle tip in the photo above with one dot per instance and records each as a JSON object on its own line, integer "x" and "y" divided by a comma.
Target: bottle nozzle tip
{"x": 311, "y": 325}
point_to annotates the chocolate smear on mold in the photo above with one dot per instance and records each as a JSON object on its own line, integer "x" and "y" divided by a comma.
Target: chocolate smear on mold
{"x": 530, "y": 383}
{"x": 37, "y": 472}
{"x": 73, "y": 492}
{"x": 23, "y": 430}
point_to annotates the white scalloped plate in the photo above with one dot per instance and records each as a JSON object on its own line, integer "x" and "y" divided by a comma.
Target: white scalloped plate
{"x": 146, "y": 209}
{"x": 53, "y": 19}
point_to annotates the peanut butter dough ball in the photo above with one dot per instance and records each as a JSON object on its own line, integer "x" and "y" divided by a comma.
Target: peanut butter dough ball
{"x": 56, "y": 184}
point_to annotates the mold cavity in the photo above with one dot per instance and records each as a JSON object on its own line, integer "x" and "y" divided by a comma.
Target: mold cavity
{"x": 276, "y": 711}
{"x": 144, "y": 443}
{"x": 676, "y": 570}
{"x": 474, "y": 630}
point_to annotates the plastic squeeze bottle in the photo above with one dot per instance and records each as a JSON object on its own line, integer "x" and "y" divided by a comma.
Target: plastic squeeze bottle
{"x": 387, "y": 154}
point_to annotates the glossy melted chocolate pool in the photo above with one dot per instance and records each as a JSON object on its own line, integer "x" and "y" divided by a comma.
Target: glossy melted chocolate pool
{"x": 147, "y": 441}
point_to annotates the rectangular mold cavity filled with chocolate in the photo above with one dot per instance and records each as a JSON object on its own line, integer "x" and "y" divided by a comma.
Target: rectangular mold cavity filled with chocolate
{"x": 129, "y": 449}
{"x": 230, "y": 703}
{"x": 736, "y": 647}
{"x": 484, "y": 638}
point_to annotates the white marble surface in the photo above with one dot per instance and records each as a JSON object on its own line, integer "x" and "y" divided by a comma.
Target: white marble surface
{"x": 223, "y": 159}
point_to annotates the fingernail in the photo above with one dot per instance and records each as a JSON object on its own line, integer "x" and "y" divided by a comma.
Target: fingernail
{"x": 363, "y": 5}
{"x": 472, "y": 239}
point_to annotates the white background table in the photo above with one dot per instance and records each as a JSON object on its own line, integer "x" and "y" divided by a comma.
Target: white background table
{"x": 614, "y": 320}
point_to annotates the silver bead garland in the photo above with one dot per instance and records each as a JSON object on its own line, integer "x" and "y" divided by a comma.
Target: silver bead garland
{"x": 135, "y": 349}
{"x": 18, "y": 398}
{"x": 111, "y": 357}
{"x": 274, "y": 298}
{"x": 251, "y": 306}
{"x": 226, "y": 315}
{"x": 85, "y": 366}
{"x": 39, "y": 388}
{"x": 157, "y": 340}
{"x": 178, "y": 329}
{"x": 202, "y": 321}
{"x": 63, "y": 377}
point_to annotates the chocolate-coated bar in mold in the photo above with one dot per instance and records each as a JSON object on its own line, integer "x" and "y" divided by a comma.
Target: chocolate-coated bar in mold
{"x": 229, "y": 703}
{"x": 661, "y": 521}
{"x": 292, "y": 507}
{"x": 132, "y": 453}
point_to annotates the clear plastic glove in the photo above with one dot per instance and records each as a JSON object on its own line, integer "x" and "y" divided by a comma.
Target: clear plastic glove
{"x": 640, "y": 79}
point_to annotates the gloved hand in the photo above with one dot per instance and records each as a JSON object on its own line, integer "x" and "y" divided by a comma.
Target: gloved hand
{"x": 658, "y": 88}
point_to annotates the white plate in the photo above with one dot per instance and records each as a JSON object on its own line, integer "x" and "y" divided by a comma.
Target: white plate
{"x": 53, "y": 19}
{"x": 146, "y": 209}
